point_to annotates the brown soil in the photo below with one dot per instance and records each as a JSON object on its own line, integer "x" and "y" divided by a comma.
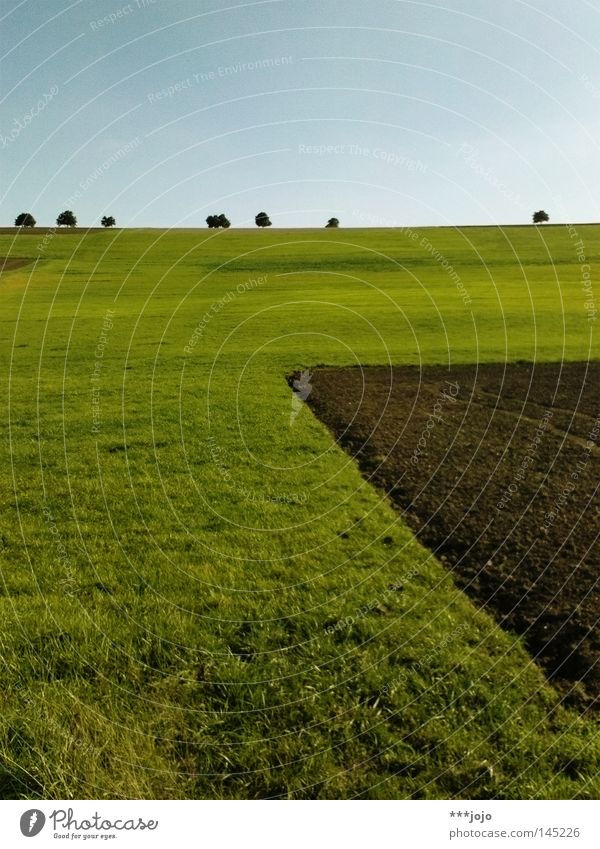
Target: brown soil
{"x": 9, "y": 263}
{"x": 496, "y": 468}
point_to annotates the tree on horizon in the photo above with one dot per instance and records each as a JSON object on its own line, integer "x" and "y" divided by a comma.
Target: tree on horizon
{"x": 25, "y": 219}
{"x": 262, "y": 220}
{"x": 216, "y": 221}
{"x": 540, "y": 217}
{"x": 108, "y": 221}
{"x": 66, "y": 219}
{"x": 333, "y": 222}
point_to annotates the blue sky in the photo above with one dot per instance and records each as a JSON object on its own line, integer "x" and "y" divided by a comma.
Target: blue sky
{"x": 383, "y": 113}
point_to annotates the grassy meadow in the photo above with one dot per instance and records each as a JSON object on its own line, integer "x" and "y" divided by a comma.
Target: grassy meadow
{"x": 201, "y": 597}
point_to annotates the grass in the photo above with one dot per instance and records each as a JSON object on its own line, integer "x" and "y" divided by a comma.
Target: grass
{"x": 200, "y": 599}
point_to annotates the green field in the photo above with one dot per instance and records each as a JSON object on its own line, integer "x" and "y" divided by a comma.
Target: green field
{"x": 179, "y": 553}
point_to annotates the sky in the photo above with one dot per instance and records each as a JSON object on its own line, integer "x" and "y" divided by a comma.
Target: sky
{"x": 381, "y": 113}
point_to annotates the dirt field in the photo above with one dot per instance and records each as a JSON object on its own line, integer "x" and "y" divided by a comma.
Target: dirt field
{"x": 496, "y": 468}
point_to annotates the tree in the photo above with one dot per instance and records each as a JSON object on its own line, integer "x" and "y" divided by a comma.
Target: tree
{"x": 540, "y": 216}
{"x": 262, "y": 220}
{"x": 216, "y": 221}
{"x": 25, "y": 219}
{"x": 333, "y": 222}
{"x": 108, "y": 221}
{"x": 66, "y": 219}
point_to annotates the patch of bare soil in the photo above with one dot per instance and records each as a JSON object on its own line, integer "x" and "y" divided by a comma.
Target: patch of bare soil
{"x": 496, "y": 468}
{"x": 10, "y": 263}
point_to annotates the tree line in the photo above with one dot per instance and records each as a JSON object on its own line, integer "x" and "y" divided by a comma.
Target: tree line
{"x": 214, "y": 222}
{"x": 64, "y": 219}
